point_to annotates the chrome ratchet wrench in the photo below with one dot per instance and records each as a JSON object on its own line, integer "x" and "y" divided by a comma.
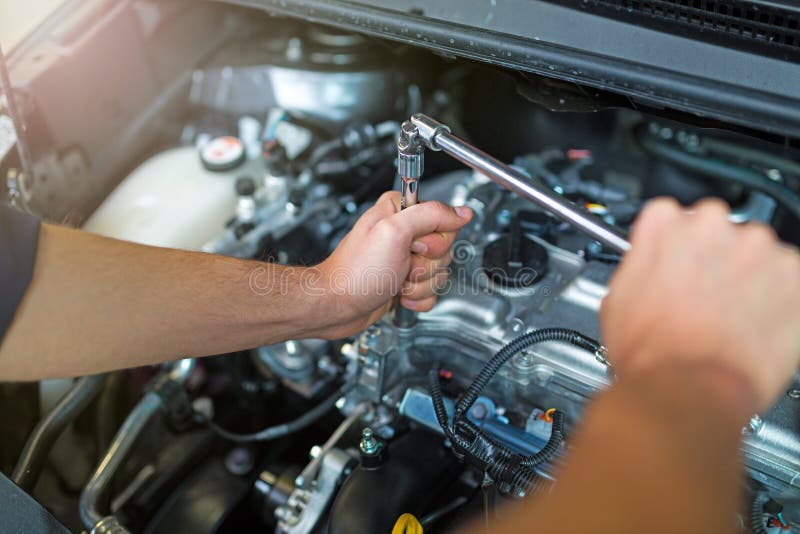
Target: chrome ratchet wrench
{"x": 421, "y": 130}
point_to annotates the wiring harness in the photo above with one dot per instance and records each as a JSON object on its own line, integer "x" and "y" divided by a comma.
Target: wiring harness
{"x": 512, "y": 472}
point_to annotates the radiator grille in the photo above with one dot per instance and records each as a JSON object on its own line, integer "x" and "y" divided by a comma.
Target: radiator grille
{"x": 767, "y": 28}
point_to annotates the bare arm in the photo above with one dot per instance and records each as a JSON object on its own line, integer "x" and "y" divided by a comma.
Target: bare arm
{"x": 96, "y": 304}
{"x": 701, "y": 326}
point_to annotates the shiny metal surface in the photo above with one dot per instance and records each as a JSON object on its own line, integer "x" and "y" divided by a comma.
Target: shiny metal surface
{"x": 124, "y": 440}
{"x": 304, "y": 508}
{"x": 473, "y": 319}
{"x": 410, "y": 164}
{"x": 555, "y": 204}
{"x": 311, "y": 470}
{"x": 410, "y": 192}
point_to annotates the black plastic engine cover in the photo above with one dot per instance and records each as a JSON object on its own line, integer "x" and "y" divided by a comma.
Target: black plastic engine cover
{"x": 418, "y": 469}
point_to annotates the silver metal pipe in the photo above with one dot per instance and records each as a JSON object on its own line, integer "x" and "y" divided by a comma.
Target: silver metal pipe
{"x": 309, "y": 474}
{"x": 91, "y": 500}
{"x": 17, "y": 195}
{"x": 181, "y": 370}
{"x": 438, "y": 137}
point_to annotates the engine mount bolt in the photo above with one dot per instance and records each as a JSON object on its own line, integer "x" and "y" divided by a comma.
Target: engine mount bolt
{"x": 239, "y": 461}
{"x": 369, "y": 445}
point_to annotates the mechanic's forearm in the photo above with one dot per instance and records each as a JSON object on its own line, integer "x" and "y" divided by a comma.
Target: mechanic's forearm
{"x": 97, "y": 304}
{"x": 656, "y": 453}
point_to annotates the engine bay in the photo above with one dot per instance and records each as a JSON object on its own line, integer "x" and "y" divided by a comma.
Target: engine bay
{"x": 279, "y": 138}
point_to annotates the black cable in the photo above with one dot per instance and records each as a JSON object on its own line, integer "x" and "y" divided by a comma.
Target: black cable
{"x": 34, "y": 454}
{"x": 436, "y": 515}
{"x": 283, "y": 429}
{"x": 552, "y": 445}
{"x": 524, "y": 341}
{"x": 477, "y": 447}
{"x": 725, "y": 171}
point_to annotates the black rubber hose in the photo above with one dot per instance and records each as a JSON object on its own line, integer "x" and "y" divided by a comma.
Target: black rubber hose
{"x": 724, "y": 171}
{"x": 499, "y": 461}
{"x": 757, "y": 514}
{"x": 552, "y": 445}
{"x": 34, "y": 454}
{"x": 284, "y": 429}
{"x": 524, "y": 341}
{"x": 441, "y": 412}
{"x": 432, "y": 517}
{"x": 729, "y": 149}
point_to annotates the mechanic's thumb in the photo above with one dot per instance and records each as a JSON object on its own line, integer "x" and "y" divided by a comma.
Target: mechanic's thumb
{"x": 431, "y": 216}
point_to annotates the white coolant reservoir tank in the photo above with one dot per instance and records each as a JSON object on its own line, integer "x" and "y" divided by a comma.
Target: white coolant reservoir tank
{"x": 171, "y": 200}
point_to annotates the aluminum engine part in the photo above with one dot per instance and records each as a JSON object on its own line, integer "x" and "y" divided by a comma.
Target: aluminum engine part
{"x": 326, "y": 76}
{"x": 474, "y": 318}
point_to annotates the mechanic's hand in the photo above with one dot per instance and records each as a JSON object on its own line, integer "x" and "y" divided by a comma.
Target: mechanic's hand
{"x": 389, "y": 252}
{"x": 696, "y": 288}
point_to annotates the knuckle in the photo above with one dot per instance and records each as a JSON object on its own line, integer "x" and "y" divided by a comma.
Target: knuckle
{"x": 661, "y": 207}
{"x": 437, "y": 205}
{"x": 656, "y": 214}
{"x": 388, "y": 197}
{"x": 711, "y": 213}
{"x": 441, "y": 280}
{"x": 445, "y": 261}
{"x": 417, "y": 273}
{"x": 440, "y": 208}
{"x": 387, "y": 229}
{"x": 421, "y": 291}
{"x": 758, "y": 235}
{"x": 711, "y": 206}
{"x": 427, "y": 305}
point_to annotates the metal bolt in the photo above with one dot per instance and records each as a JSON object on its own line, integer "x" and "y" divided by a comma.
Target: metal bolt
{"x": 524, "y": 361}
{"x": 775, "y": 175}
{"x": 479, "y": 411}
{"x": 503, "y": 218}
{"x": 601, "y": 355}
{"x": 204, "y": 407}
{"x": 793, "y": 394}
{"x": 594, "y": 248}
{"x": 239, "y": 461}
{"x": 368, "y": 445}
{"x": 756, "y": 423}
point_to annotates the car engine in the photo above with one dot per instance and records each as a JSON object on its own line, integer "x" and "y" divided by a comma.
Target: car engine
{"x": 278, "y": 137}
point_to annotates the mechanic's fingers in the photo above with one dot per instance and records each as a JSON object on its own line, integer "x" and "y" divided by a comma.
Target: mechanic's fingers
{"x": 434, "y": 245}
{"x": 387, "y": 205}
{"x": 657, "y": 215}
{"x": 710, "y": 225}
{"x": 712, "y": 207}
{"x": 647, "y": 234}
{"x": 646, "y": 238}
{"x": 425, "y": 288}
{"x": 423, "y": 268}
{"x": 422, "y": 305}
{"x": 426, "y": 218}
